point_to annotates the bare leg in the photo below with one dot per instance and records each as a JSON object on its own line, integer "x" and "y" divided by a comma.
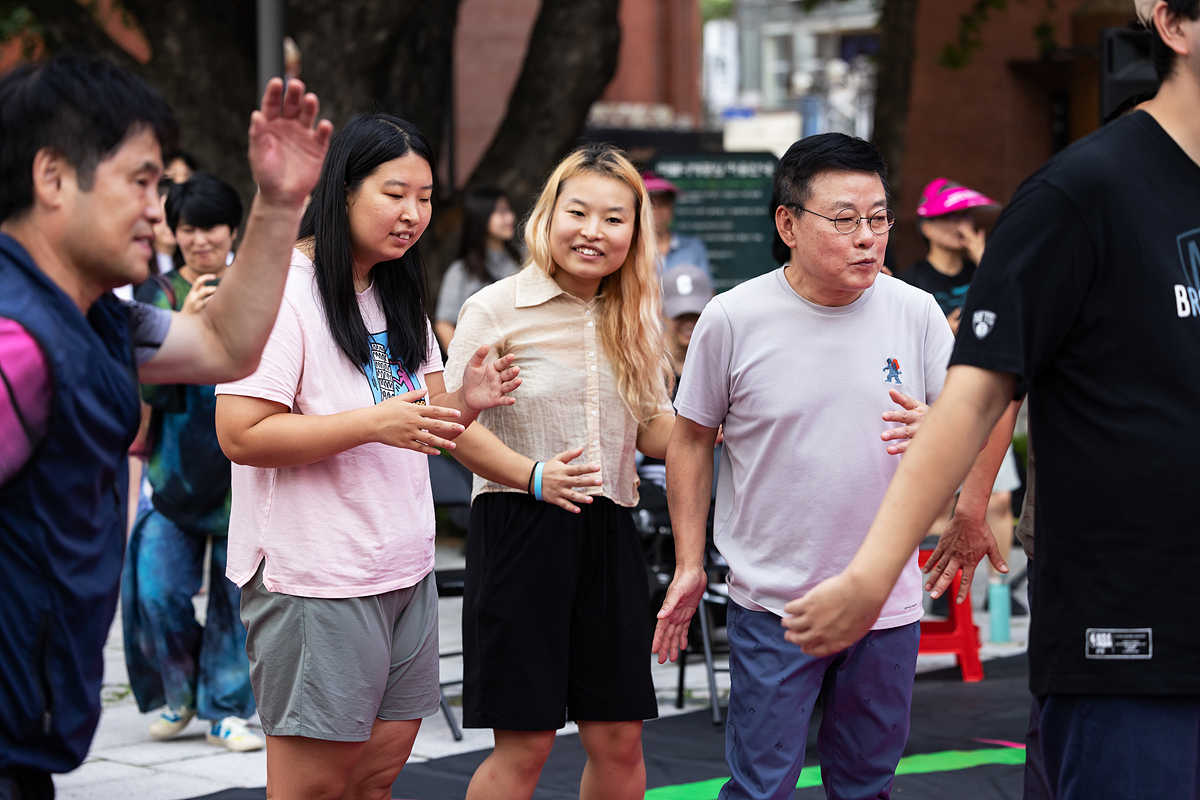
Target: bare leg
{"x": 615, "y": 769}
{"x": 381, "y": 760}
{"x": 299, "y": 768}
{"x": 511, "y": 772}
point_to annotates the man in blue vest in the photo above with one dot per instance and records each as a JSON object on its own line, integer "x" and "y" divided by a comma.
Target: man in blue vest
{"x": 80, "y": 156}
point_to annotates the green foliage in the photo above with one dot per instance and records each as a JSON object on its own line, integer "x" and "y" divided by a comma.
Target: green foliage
{"x": 716, "y": 9}
{"x": 16, "y": 20}
{"x": 957, "y": 54}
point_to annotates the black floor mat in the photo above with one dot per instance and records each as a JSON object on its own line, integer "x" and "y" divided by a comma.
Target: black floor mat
{"x": 948, "y": 717}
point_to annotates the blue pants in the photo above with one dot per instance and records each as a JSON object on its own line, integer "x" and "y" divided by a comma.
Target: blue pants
{"x": 866, "y": 691}
{"x": 171, "y": 659}
{"x": 1121, "y": 747}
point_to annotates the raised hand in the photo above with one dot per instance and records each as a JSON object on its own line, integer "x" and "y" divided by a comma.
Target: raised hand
{"x": 912, "y": 416}
{"x": 403, "y": 422}
{"x": 562, "y": 480}
{"x": 487, "y": 384}
{"x": 286, "y": 148}
{"x": 675, "y": 616}
{"x": 200, "y": 293}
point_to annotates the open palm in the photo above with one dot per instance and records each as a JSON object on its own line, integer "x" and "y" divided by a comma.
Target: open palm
{"x": 487, "y": 384}
{"x": 286, "y": 147}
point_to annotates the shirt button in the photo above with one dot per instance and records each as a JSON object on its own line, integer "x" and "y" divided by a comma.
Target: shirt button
{"x": 593, "y": 367}
{"x": 590, "y": 323}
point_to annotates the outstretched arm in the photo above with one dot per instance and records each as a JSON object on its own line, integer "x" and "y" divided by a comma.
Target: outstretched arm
{"x": 969, "y": 537}
{"x": 224, "y": 341}
{"x": 839, "y": 610}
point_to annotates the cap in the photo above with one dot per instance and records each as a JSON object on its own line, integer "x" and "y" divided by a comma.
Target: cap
{"x": 942, "y": 196}
{"x": 686, "y": 290}
{"x": 656, "y": 184}
{"x": 1144, "y": 9}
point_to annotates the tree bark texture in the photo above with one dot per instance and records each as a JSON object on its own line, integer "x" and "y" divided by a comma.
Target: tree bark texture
{"x": 362, "y": 55}
{"x": 897, "y": 24}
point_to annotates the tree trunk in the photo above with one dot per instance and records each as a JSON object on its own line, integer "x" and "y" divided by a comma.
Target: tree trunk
{"x": 365, "y": 55}
{"x": 572, "y": 56}
{"x": 897, "y": 24}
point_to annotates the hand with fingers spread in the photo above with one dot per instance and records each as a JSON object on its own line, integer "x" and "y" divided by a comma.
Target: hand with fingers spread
{"x": 967, "y": 540}
{"x": 833, "y": 615}
{"x": 286, "y": 147}
{"x": 562, "y": 480}
{"x": 487, "y": 384}
{"x": 198, "y": 296}
{"x": 912, "y": 414}
{"x": 678, "y": 608}
{"x": 406, "y": 421}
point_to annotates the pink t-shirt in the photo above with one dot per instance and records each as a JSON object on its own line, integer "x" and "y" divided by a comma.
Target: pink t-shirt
{"x": 358, "y": 523}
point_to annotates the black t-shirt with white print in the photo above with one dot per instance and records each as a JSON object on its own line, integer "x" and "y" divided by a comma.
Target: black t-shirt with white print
{"x": 949, "y": 290}
{"x": 1090, "y": 294}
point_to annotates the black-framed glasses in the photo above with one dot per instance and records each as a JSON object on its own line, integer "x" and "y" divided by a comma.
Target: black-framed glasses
{"x": 847, "y": 221}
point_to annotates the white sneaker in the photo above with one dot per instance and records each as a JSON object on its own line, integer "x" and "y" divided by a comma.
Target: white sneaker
{"x": 232, "y": 733}
{"x": 171, "y": 722}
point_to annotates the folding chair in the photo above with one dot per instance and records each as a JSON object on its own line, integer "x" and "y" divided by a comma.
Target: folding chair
{"x": 451, "y": 484}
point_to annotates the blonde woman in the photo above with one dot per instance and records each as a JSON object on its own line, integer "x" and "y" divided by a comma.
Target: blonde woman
{"x": 555, "y": 611}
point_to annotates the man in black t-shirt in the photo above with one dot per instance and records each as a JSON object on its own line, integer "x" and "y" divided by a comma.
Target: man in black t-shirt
{"x": 1089, "y": 300}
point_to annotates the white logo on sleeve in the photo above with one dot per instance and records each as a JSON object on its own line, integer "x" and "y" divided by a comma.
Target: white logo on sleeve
{"x": 982, "y": 323}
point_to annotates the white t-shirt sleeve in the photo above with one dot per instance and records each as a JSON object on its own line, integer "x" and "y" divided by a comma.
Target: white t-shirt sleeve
{"x": 704, "y": 387}
{"x": 278, "y": 375}
{"x": 939, "y": 342}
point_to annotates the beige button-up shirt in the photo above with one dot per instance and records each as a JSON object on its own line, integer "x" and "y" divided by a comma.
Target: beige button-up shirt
{"x": 568, "y": 396}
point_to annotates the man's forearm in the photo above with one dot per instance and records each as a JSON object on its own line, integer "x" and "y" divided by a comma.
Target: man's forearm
{"x": 689, "y": 489}
{"x": 977, "y": 487}
{"x": 242, "y": 313}
{"x": 929, "y": 472}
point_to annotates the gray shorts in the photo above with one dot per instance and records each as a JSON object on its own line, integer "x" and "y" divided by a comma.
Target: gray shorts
{"x": 328, "y": 668}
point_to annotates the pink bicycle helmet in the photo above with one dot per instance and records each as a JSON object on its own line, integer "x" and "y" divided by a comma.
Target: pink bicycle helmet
{"x": 943, "y": 196}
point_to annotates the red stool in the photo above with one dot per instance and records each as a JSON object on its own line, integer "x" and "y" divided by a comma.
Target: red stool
{"x": 957, "y": 634}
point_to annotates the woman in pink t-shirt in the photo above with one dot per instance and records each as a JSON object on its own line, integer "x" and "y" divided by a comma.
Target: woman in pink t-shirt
{"x": 331, "y": 529}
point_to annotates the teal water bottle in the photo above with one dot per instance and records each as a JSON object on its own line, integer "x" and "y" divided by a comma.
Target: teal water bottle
{"x": 999, "y": 610}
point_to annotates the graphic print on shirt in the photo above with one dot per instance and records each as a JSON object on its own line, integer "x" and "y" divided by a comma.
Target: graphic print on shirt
{"x": 891, "y": 369}
{"x": 1187, "y": 295}
{"x": 952, "y": 299}
{"x": 386, "y": 376}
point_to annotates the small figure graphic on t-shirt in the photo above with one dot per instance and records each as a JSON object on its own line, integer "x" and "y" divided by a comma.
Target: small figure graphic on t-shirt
{"x": 385, "y": 375}
{"x": 892, "y": 368}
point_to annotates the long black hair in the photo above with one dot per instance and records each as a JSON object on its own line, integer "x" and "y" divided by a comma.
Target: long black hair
{"x": 479, "y": 203}
{"x": 355, "y": 152}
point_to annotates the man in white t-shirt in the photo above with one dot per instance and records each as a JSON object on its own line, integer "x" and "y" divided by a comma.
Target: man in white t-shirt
{"x": 800, "y": 366}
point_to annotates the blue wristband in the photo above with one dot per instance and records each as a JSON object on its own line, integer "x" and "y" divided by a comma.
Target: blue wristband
{"x": 537, "y": 481}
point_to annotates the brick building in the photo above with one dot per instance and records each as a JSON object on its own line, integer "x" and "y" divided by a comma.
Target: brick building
{"x": 657, "y": 83}
{"x": 988, "y": 124}
{"x": 992, "y": 123}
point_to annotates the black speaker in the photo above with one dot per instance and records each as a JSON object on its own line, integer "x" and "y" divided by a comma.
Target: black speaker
{"x": 1127, "y": 72}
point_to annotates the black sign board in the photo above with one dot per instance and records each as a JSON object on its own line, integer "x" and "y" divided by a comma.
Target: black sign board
{"x": 725, "y": 200}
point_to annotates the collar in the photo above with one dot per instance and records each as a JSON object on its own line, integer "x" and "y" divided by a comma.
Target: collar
{"x": 535, "y": 287}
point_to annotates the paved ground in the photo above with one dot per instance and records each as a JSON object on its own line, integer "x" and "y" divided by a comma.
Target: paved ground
{"x": 125, "y": 763}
